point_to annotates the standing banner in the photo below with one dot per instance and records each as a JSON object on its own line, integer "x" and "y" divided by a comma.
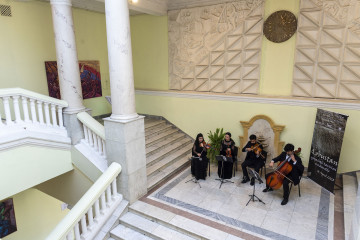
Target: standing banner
{"x": 325, "y": 148}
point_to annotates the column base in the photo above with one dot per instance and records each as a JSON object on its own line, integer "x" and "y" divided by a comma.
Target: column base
{"x": 125, "y": 144}
{"x": 73, "y": 127}
{"x": 124, "y": 117}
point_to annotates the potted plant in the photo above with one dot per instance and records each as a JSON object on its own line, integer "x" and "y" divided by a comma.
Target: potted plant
{"x": 215, "y": 143}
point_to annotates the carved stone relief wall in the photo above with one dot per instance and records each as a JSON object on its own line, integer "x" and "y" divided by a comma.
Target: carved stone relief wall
{"x": 216, "y": 48}
{"x": 327, "y": 58}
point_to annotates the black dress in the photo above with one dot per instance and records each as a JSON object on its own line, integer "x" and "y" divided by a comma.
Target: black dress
{"x": 226, "y": 173}
{"x": 199, "y": 165}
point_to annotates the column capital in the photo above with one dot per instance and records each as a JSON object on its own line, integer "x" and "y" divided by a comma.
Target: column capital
{"x": 61, "y": 2}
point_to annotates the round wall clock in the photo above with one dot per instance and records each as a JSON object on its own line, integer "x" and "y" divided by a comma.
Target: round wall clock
{"x": 280, "y": 26}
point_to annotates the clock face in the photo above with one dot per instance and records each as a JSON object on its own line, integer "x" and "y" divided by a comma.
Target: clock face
{"x": 280, "y": 26}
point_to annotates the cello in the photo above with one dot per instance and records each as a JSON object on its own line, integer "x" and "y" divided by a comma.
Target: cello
{"x": 276, "y": 178}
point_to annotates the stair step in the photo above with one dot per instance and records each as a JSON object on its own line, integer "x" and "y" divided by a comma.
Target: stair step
{"x": 161, "y": 144}
{"x": 170, "y": 152}
{"x": 349, "y": 195}
{"x": 151, "y": 124}
{"x": 160, "y": 175}
{"x": 179, "y": 223}
{"x": 124, "y": 233}
{"x": 158, "y": 129}
{"x": 151, "y": 228}
{"x": 163, "y": 135}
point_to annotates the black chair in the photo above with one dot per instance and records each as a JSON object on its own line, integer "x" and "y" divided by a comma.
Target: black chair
{"x": 291, "y": 184}
{"x": 235, "y": 159}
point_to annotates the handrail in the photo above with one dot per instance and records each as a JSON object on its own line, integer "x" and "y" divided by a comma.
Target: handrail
{"x": 92, "y": 124}
{"x": 85, "y": 205}
{"x": 7, "y": 92}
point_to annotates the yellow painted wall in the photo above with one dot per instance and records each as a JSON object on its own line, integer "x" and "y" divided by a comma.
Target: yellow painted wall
{"x": 200, "y": 115}
{"x": 68, "y": 187}
{"x": 277, "y": 59}
{"x": 36, "y": 215}
{"x": 27, "y": 166}
{"x": 27, "y": 41}
{"x": 150, "y": 51}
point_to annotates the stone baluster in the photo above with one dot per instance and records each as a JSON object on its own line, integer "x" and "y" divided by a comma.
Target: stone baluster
{"x": 17, "y": 109}
{"x": 7, "y": 111}
{"x": 40, "y": 112}
{"x": 33, "y": 111}
{"x": 47, "y": 114}
{"x": 53, "y": 115}
{"x": 24, "y": 102}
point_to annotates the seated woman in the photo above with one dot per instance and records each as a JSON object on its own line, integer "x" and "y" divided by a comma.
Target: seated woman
{"x": 227, "y": 149}
{"x": 200, "y": 162}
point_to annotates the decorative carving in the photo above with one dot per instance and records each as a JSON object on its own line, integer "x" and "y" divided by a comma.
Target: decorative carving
{"x": 327, "y": 57}
{"x": 216, "y": 48}
{"x": 280, "y": 26}
{"x": 267, "y": 132}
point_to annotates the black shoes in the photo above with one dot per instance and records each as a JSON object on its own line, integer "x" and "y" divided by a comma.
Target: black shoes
{"x": 284, "y": 201}
{"x": 252, "y": 181}
{"x": 245, "y": 180}
{"x": 268, "y": 190}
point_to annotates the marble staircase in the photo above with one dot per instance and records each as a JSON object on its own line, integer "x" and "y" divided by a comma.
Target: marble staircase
{"x": 167, "y": 150}
{"x": 145, "y": 222}
{"x": 351, "y": 196}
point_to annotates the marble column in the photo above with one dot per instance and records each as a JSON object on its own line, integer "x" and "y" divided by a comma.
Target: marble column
{"x": 68, "y": 66}
{"x": 124, "y": 129}
{"x": 120, "y": 60}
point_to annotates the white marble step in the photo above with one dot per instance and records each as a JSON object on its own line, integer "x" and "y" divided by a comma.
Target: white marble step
{"x": 158, "y": 129}
{"x": 151, "y": 124}
{"x": 121, "y": 232}
{"x": 161, "y": 144}
{"x": 169, "y": 156}
{"x": 164, "y": 173}
{"x": 349, "y": 195}
{"x": 151, "y": 228}
{"x": 179, "y": 223}
{"x": 162, "y": 136}
{"x": 169, "y": 151}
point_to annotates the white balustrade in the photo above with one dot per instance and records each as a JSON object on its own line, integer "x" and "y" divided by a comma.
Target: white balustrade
{"x": 94, "y": 133}
{"x": 17, "y": 116}
{"x": 81, "y": 216}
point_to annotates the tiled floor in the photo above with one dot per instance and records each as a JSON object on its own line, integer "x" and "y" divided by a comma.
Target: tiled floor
{"x": 310, "y": 216}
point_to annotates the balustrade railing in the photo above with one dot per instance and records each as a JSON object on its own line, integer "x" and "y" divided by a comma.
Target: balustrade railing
{"x": 92, "y": 211}
{"x": 23, "y": 107}
{"x": 94, "y": 133}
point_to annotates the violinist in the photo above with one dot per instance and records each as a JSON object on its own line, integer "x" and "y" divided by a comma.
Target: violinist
{"x": 253, "y": 158}
{"x": 293, "y": 176}
{"x": 200, "y": 163}
{"x": 227, "y": 149}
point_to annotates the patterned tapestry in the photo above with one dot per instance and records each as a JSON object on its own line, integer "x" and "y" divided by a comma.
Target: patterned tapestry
{"x": 216, "y": 48}
{"x": 89, "y": 75}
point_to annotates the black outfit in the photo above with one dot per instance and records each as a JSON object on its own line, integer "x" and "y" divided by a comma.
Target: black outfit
{"x": 199, "y": 166}
{"x": 226, "y": 173}
{"x": 294, "y": 175}
{"x": 252, "y": 160}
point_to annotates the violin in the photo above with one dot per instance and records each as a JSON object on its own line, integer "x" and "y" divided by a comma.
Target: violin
{"x": 228, "y": 152}
{"x": 276, "y": 178}
{"x": 204, "y": 144}
{"x": 256, "y": 149}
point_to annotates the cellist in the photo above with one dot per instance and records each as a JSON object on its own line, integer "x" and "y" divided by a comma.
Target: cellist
{"x": 297, "y": 170}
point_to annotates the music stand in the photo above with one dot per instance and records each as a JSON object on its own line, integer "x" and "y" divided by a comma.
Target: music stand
{"x": 255, "y": 175}
{"x": 193, "y": 179}
{"x": 222, "y": 159}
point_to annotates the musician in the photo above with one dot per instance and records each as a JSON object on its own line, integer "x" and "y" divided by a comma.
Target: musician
{"x": 199, "y": 166}
{"x": 257, "y": 161}
{"x": 227, "y": 148}
{"x": 296, "y": 172}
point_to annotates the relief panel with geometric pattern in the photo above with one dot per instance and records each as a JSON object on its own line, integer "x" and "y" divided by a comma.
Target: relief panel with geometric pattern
{"x": 327, "y": 57}
{"x": 216, "y": 48}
